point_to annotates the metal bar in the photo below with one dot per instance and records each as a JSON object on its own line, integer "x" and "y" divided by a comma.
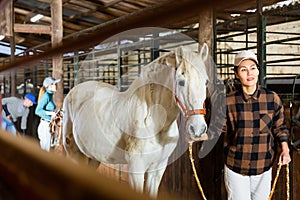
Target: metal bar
{"x": 261, "y": 40}
{"x": 119, "y": 53}
{"x": 282, "y": 33}
{"x": 282, "y": 40}
{"x": 283, "y": 60}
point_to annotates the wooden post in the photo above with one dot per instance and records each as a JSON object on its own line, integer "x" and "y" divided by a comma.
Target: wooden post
{"x": 57, "y": 60}
{"x": 12, "y": 52}
{"x": 206, "y": 27}
{"x": 206, "y": 33}
{"x": 210, "y": 167}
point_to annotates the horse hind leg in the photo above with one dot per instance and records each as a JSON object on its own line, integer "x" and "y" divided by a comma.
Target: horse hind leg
{"x": 71, "y": 149}
{"x": 68, "y": 142}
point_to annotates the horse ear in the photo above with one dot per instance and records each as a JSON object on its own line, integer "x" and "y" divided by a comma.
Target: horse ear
{"x": 204, "y": 52}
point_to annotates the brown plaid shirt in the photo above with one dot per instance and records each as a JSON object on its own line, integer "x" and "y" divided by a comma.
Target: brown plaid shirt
{"x": 253, "y": 125}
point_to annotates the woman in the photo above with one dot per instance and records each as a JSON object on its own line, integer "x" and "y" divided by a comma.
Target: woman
{"x": 255, "y": 120}
{"x": 13, "y": 108}
{"x": 45, "y": 109}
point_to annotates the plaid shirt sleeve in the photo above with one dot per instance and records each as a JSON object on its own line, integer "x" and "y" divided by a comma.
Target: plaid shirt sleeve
{"x": 280, "y": 130}
{"x": 253, "y": 124}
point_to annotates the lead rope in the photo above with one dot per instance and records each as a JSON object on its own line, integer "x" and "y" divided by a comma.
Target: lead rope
{"x": 273, "y": 187}
{"x": 194, "y": 170}
{"x": 287, "y": 182}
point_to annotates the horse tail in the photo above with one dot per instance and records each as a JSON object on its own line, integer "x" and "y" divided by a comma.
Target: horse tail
{"x": 67, "y": 123}
{"x": 68, "y": 140}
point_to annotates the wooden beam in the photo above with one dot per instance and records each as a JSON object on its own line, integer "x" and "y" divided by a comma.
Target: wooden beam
{"x": 160, "y": 15}
{"x": 108, "y": 3}
{"x": 206, "y": 28}
{"x": 57, "y": 59}
{"x": 35, "y": 174}
{"x": 12, "y": 42}
{"x": 32, "y": 28}
{"x": 6, "y": 12}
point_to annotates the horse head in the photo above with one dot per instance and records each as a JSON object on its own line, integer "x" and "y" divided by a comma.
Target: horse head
{"x": 190, "y": 91}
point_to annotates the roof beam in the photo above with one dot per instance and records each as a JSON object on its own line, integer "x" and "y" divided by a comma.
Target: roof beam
{"x": 32, "y": 28}
{"x": 160, "y": 15}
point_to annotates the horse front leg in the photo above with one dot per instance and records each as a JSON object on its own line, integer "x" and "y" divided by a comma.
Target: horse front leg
{"x": 136, "y": 173}
{"x": 136, "y": 181}
{"x": 154, "y": 176}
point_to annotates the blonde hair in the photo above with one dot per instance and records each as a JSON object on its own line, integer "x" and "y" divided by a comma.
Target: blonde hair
{"x": 42, "y": 91}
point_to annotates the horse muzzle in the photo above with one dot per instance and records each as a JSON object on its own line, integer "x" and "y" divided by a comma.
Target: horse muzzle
{"x": 196, "y": 129}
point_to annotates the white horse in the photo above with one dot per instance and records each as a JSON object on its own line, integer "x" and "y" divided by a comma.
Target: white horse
{"x": 138, "y": 127}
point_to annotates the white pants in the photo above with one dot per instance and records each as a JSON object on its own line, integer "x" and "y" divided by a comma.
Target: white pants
{"x": 44, "y": 135}
{"x": 241, "y": 187}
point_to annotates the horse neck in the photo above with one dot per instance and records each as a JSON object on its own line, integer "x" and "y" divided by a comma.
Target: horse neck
{"x": 155, "y": 86}
{"x": 157, "y": 94}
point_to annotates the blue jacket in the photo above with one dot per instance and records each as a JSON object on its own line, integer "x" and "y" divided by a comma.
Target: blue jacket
{"x": 46, "y": 104}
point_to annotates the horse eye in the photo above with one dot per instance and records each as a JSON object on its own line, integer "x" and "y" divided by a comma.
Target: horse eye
{"x": 181, "y": 83}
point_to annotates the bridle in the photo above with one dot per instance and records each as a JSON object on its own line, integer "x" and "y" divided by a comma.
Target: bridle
{"x": 188, "y": 113}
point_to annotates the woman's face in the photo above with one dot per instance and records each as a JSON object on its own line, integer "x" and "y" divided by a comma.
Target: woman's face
{"x": 248, "y": 73}
{"x": 52, "y": 87}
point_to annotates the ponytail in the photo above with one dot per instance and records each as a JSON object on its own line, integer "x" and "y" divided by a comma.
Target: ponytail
{"x": 42, "y": 91}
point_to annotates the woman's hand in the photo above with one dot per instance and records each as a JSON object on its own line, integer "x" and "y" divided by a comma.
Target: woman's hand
{"x": 51, "y": 113}
{"x": 284, "y": 157}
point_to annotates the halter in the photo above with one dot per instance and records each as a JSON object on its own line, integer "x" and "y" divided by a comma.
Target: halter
{"x": 187, "y": 113}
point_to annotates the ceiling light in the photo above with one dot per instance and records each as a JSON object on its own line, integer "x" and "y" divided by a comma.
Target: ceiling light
{"x": 2, "y": 37}
{"x": 36, "y": 17}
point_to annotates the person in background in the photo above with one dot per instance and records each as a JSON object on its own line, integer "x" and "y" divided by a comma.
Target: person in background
{"x": 45, "y": 109}
{"x": 254, "y": 123}
{"x": 12, "y": 108}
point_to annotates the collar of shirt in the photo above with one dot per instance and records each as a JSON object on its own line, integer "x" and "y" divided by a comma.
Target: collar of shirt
{"x": 49, "y": 91}
{"x": 255, "y": 96}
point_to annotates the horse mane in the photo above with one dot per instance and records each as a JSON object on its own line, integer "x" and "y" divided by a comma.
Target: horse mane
{"x": 156, "y": 72}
